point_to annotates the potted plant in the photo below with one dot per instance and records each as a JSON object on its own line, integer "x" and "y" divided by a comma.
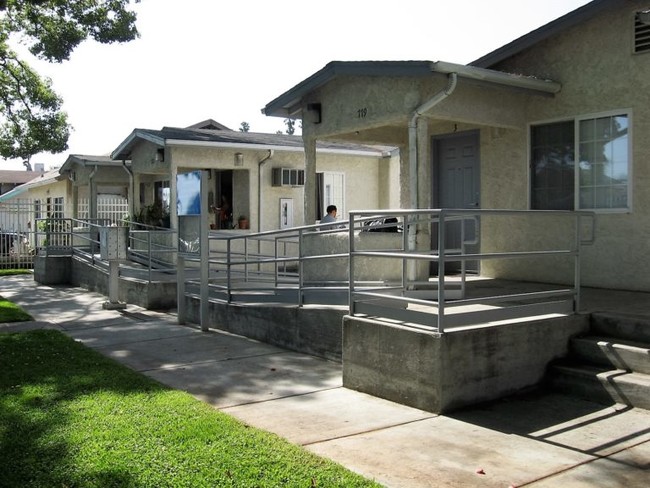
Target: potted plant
{"x": 242, "y": 222}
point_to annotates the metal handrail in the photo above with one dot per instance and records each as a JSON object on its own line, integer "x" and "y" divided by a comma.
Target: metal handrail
{"x": 275, "y": 261}
{"x": 441, "y": 256}
{"x": 80, "y": 237}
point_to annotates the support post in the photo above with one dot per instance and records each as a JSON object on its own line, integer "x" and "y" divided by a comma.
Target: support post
{"x": 180, "y": 291}
{"x": 205, "y": 251}
{"x": 113, "y": 302}
{"x": 309, "y": 217}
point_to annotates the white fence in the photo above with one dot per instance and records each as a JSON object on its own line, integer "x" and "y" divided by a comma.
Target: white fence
{"x": 113, "y": 208}
{"x": 18, "y": 232}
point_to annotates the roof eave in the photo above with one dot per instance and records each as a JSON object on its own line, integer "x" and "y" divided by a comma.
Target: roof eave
{"x": 275, "y": 147}
{"x": 289, "y": 103}
{"x": 123, "y": 151}
{"x": 13, "y": 193}
{"x": 498, "y": 77}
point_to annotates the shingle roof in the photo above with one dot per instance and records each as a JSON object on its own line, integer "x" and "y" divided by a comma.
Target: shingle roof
{"x": 37, "y": 179}
{"x": 244, "y": 140}
{"x": 17, "y": 176}
{"x": 89, "y": 160}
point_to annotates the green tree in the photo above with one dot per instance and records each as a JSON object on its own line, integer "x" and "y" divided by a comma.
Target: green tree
{"x": 244, "y": 127}
{"x": 31, "y": 116}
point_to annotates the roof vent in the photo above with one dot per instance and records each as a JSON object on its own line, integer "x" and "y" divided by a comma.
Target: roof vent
{"x": 642, "y": 32}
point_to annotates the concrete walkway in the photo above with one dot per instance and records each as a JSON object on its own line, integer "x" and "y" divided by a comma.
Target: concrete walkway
{"x": 538, "y": 440}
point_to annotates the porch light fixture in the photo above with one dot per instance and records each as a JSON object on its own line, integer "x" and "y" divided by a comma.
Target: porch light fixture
{"x": 239, "y": 159}
{"x": 644, "y": 17}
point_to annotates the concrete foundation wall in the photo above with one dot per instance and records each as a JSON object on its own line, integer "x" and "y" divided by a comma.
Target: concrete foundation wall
{"x": 52, "y": 270}
{"x": 155, "y": 296}
{"x": 315, "y": 331}
{"x": 443, "y": 372}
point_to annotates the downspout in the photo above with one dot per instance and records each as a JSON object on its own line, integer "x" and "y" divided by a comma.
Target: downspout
{"x": 75, "y": 195}
{"x": 131, "y": 191}
{"x": 259, "y": 189}
{"x": 413, "y": 145}
{"x": 92, "y": 210}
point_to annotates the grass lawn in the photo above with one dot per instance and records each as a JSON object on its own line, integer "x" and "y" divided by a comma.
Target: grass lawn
{"x": 70, "y": 417}
{"x": 9, "y": 272}
{"x": 10, "y": 312}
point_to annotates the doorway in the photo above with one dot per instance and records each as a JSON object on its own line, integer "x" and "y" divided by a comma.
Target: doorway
{"x": 456, "y": 184}
{"x": 223, "y": 202}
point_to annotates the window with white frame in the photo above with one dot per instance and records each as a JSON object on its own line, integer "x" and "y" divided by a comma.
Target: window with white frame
{"x": 601, "y": 178}
{"x": 58, "y": 208}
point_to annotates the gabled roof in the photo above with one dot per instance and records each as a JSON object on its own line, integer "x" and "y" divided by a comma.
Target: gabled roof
{"x": 89, "y": 160}
{"x": 289, "y": 103}
{"x": 38, "y": 179}
{"x": 554, "y": 27}
{"x": 17, "y": 176}
{"x": 173, "y": 136}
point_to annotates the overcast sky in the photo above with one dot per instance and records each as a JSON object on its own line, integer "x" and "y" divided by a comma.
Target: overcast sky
{"x": 200, "y": 59}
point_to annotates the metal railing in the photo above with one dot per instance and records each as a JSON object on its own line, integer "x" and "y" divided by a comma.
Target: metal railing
{"x": 457, "y": 233}
{"x": 247, "y": 267}
{"x": 154, "y": 247}
{"x": 416, "y": 273}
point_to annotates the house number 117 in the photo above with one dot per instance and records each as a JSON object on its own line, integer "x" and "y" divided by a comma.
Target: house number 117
{"x": 362, "y": 112}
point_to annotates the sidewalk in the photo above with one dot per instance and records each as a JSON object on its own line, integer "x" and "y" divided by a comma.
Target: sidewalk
{"x": 539, "y": 440}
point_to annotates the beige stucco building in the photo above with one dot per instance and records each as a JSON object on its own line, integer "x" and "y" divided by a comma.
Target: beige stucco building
{"x": 93, "y": 180}
{"x": 260, "y": 176}
{"x": 554, "y": 120}
{"x": 84, "y": 187}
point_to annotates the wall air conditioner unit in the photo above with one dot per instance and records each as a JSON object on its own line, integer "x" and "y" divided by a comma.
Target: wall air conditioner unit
{"x": 288, "y": 177}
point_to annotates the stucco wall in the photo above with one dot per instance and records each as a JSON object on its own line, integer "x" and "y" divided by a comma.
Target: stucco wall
{"x": 389, "y": 182}
{"x": 53, "y": 190}
{"x": 363, "y": 185}
{"x": 598, "y": 72}
{"x": 594, "y": 63}
{"x": 104, "y": 176}
{"x": 337, "y": 269}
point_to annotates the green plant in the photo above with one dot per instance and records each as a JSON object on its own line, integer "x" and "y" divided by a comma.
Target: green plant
{"x": 155, "y": 214}
{"x": 56, "y": 231}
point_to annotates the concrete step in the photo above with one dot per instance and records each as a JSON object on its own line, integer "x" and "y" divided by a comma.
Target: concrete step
{"x": 623, "y": 326}
{"x": 602, "y": 385}
{"x": 621, "y": 354}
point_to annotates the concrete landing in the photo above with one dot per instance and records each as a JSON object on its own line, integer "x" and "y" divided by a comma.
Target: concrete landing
{"x": 537, "y": 440}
